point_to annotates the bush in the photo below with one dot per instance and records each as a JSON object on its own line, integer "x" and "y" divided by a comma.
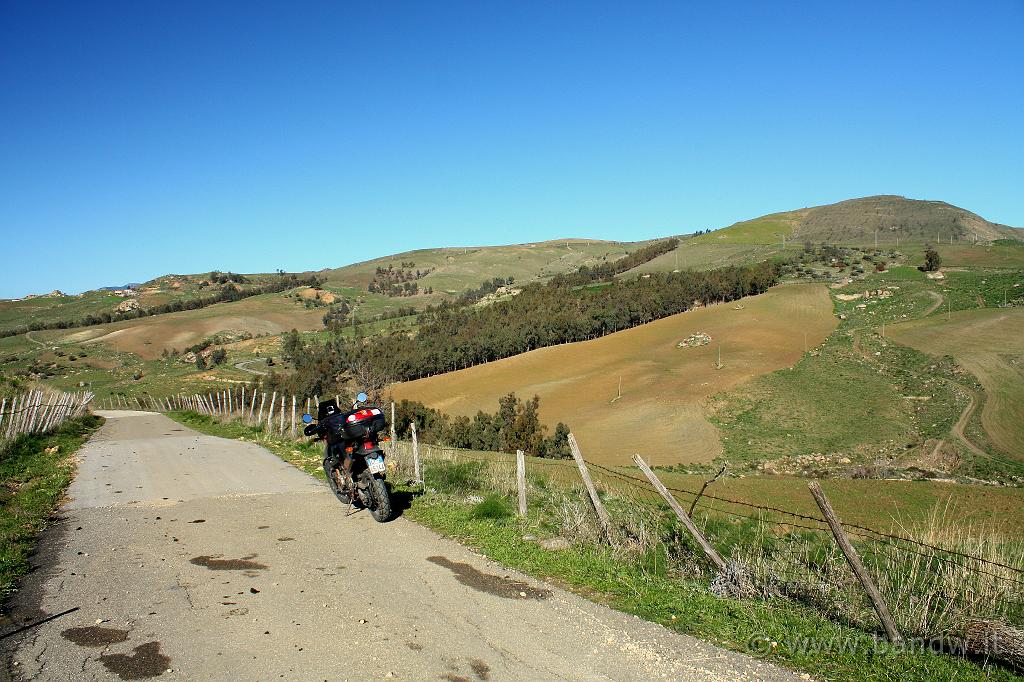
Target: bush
{"x": 493, "y": 507}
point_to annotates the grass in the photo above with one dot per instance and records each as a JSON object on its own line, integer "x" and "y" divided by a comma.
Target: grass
{"x": 775, "y": 630}
{"x": 990, "y": 344}
{"x": 35, "y": 470}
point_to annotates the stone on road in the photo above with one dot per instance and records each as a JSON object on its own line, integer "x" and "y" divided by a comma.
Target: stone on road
{"x": 194, "y": 557}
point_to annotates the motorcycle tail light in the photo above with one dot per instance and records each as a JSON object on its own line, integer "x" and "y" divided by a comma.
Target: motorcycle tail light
{"x": 349, "y": 449}
{"x": 367, "y": 445}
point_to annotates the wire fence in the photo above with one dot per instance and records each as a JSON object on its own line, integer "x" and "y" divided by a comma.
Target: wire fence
{"x": 937, "y": 577}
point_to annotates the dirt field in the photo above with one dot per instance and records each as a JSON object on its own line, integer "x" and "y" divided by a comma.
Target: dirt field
{"x": 660, "y": 412}
{"x": 148, "y": 336}
{"x": 990, "y": 344}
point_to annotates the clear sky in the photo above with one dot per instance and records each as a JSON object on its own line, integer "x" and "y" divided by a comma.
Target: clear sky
{"x": 141, "y": 138}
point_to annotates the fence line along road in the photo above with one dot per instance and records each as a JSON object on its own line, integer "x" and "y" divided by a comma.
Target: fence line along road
{"x": 39, "y": 411}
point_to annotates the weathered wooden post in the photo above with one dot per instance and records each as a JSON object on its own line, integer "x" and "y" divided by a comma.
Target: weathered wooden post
{"x": 263, "y": 402}
{"x": 602, "y": 513}
{"x": 855, "y": 563}
{"x": 681, "y": 514}
{"x": 521, "y": 481}
{"x": 281, "y": 431}
{"x": 270, "y": 415}
{"x": 415, "y": 453}
{"x": 293, "y": 417}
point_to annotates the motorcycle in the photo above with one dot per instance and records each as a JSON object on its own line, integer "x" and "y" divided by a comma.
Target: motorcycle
{"x": 353, "y": 458}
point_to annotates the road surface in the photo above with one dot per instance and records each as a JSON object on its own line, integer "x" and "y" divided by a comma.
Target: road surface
{"x": 193, "y": 557}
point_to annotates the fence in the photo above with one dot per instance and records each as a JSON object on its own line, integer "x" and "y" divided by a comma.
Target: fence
{"x": 39, "y": 412}
{"x": 934, "y": 581}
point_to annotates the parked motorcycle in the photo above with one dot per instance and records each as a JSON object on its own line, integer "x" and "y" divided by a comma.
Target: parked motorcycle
{"x": 353, "y": 458}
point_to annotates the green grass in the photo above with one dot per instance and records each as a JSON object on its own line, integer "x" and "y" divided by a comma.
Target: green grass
{"x": 803, "y": 640}
{"x": 765, "y": 230}
{"x": 32, "y": 484}
{"x": 861, "y": 396}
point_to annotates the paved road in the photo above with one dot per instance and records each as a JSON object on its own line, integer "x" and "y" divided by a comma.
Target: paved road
{"x": 193, "y": 557}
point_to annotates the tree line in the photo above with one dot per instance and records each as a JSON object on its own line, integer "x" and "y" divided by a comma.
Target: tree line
{"x": 606, "y": 271}
{"x": 515, "y": 426}
{"x": 454, "y": 337}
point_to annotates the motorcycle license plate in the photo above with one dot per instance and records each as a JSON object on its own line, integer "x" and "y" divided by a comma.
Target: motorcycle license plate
{"x": 375, "y": 464}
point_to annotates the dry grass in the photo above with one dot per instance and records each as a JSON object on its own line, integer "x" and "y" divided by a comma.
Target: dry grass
{"x": 931, "y": 597}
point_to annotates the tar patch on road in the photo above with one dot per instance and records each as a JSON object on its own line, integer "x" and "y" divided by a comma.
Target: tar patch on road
{"x": 93, "y": 635}
{"x": 145, "y": 661}
{"x": 491, "y": 584}
{"x": 213, "y": 563}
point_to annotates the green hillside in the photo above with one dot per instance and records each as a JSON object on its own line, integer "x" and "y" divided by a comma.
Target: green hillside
{"x": 856, "y": 221}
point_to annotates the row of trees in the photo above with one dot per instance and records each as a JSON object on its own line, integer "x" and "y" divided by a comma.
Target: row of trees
{"x": 515, "y": 426}
{"x": 451, "y": 338}
{"x": 605, "y": 271}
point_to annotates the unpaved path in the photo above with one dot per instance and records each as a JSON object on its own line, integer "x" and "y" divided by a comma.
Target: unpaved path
{"x": 937, "y": 301}
{"x": 28, "y": 335}
{"x": 965, "y": 416}
{"x": 194, "y": 557}
{"x": 244, "y": 366}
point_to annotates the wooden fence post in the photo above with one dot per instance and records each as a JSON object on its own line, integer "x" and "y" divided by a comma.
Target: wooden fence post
{"x": 293, "y": 417}
{"x": 415, "y": 452}
{"x": 521, "y": 481}
{"x": 681, "y": 514}
{"x": 282, "y": 414}
{"x": 602, "y": 513}
{"x": 263, "y": 402}
{"x": 270, "y": 415}
{"x": 855, "y": 563}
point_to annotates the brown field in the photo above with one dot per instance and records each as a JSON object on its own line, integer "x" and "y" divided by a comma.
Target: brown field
{"x": 148, "y": 336}
{"x": 660, "y": 412}
{"x": 990, "y": 344}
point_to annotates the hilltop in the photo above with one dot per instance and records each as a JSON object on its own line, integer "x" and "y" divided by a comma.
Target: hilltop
{"x": 856, "y": 221}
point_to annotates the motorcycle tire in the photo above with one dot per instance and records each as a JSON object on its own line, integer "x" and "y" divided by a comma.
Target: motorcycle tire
{"x": 333, "y": 474}
{"x": 380, "y": 509}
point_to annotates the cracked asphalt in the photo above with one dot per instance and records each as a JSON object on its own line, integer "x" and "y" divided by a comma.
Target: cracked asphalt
{"x": 194, "y": 557}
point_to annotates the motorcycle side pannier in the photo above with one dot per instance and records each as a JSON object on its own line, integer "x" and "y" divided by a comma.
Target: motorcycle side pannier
{"x": 365, "y": 422}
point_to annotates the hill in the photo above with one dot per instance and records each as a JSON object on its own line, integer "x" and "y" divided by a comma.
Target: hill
{"x": 662, "y": 384}
{"x": 856, "y": 221}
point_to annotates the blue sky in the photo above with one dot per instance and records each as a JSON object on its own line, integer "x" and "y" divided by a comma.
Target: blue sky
{"x": 138, "y": 139}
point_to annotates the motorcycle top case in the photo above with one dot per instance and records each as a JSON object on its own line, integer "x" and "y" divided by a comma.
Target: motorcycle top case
{"x": 366, "y": 422}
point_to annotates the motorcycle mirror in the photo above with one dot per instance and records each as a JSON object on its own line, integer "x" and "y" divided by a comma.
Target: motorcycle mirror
{"x": 307, "y": 419}
{"x": 362, "y": 397}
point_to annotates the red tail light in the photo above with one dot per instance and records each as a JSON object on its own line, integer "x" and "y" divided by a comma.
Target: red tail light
{"x": 367, "y": 445}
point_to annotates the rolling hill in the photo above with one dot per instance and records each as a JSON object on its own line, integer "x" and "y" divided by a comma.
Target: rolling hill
{"x": 663, "y": 385}
{"x": 855, "y": 221}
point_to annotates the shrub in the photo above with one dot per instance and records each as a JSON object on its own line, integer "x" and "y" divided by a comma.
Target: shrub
{"x": 493, "y": 507}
